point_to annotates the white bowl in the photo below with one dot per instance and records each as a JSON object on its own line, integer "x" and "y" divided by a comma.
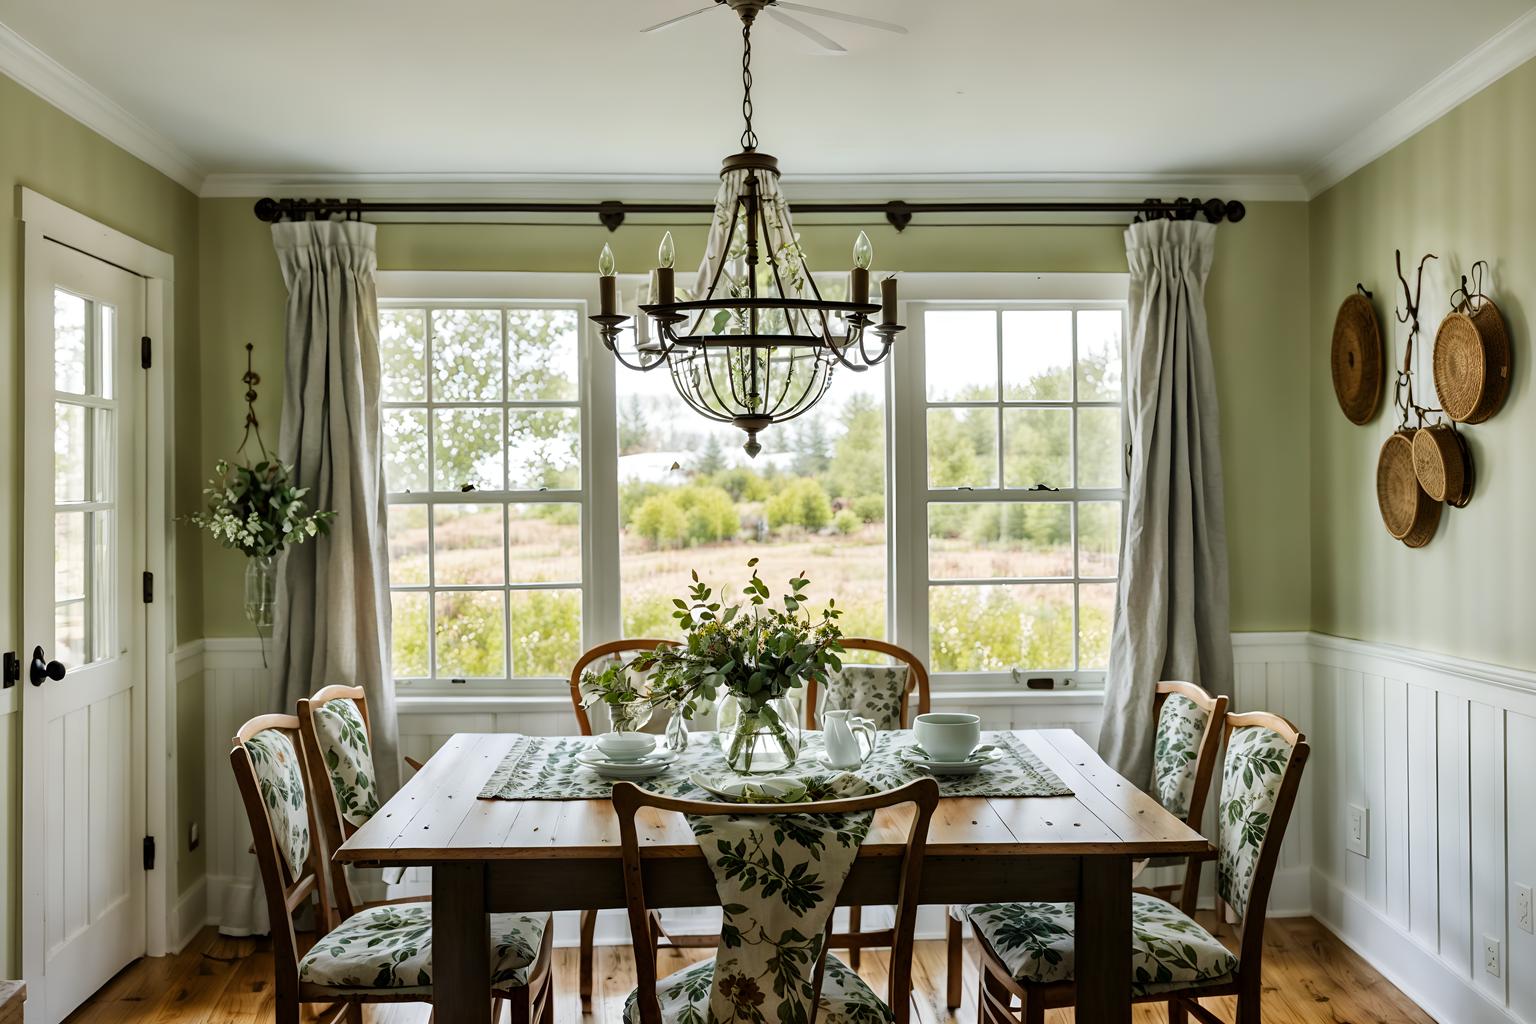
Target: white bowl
{"x": 626, "y": 746}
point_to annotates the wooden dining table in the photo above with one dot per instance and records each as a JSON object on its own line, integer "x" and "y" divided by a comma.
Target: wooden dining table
{"x": 493, "y": 856}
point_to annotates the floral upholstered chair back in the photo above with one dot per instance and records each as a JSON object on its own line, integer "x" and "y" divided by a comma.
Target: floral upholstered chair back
{"x": 879, "y": 692}
{"x": 1187, "y": 741}
{"x": 1259, "y": 776}
{"x": 778, "y": 876}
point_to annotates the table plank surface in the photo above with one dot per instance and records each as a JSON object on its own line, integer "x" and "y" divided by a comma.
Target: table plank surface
{"x": 438, "y": 817}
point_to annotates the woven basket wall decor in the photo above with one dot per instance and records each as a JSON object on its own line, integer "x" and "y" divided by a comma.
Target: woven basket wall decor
{"x": 1443, "y": 464}
{"x": 1472, "y": 361}
{"x": 1357, "y": 360}
{"x": 1409, "y": 513}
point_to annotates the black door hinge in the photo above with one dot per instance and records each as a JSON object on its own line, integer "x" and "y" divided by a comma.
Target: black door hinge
{"x": 12, "y": 671}
{"x": 149, "y": 853}
{"x": 144, "y": 352}
{"x": 149, "y": 588}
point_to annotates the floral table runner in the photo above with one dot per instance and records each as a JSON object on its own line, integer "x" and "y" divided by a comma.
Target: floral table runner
{"x": 546, "y": 768}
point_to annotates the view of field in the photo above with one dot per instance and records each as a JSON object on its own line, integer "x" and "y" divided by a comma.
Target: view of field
{"x": 690, "y": 500}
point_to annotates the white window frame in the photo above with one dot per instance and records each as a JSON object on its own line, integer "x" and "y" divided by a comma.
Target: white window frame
{"x": 598, "y": 497}
{"x": 912, "y": 495}
{"x": 906, "y": 448}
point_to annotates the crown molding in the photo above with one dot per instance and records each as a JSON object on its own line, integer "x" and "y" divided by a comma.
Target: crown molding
{"x": 41, "y": 74}
{"x": 806, "y": 188}
{"x": 1513, "y": 46}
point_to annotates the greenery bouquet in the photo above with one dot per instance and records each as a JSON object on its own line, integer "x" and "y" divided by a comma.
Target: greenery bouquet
{"x": 755, "y": 653}
{"x": 257, "y": 509}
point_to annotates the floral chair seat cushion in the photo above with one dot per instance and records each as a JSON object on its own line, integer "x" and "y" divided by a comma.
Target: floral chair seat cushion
{"x": 348, "y": 756}
{"x": 684, "y": 997}
{"x": 390, "y": 947}
{"x": 876, "y": 692}
{"x": 1180, "y": 725}
{"x": 278, "y": 777}
{"x": 1168, "y": 950}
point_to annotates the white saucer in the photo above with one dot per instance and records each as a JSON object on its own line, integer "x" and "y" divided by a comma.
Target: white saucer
{"x": 639, "y": 768}
{"x": 969, "y": 766}
{"x": 821, "y": 759}
{"x": 732, "y": 790}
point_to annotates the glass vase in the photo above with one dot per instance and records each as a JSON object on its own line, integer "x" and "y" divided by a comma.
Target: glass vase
{"x": 631, "y": 717}
{"x": 677, "y": 732}
{"x": 260, "y": 589}
{"x": 761, "y": 737}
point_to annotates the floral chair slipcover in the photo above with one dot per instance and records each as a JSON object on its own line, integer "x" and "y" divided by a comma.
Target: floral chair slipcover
{"x": 1169, "y": 950}
{"x": 390, "y": 947}
{"x": 876, "y": 692}
{"x": 778, "y": 880}
{"x": 343, "y": 738}
{"x": 281, "y": 782}
{"x": 1176, "y": 754}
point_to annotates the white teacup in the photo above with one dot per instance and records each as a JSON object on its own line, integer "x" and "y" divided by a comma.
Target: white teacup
{"x": 626, "y": 746}
{"x": 947, "y": 736}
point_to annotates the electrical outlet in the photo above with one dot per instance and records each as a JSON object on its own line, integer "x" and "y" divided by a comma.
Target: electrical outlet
{"x": 1523, "y": 909}
{"x": 193, "y": 838}
{"x": 1358, "y": 831}
{"x": 1491, "y": 955}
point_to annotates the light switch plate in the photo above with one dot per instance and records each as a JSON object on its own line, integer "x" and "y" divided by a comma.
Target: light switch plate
{"x": 1357, "y": 830}
{"x": 1523, "y": 909}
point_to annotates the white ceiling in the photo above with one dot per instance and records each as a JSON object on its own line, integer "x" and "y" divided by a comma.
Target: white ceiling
{"x": 571, "y": 88}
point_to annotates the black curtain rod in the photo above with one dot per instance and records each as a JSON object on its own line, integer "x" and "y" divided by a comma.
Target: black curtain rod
{"x": 611, "y": 213}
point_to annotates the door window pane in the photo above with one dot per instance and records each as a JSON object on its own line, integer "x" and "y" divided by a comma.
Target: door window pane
{"x": 69, "y": 367}
{"x": 69, "y": 634}
{"x": 69, "y": 556}
{"x": 470, "y": 633}
{"x": 101, "y": 603}
{"x": 960, "y": 349}
{"x": 69, "y": 456}
{"x": 999, "y": 539}
{"x": 106, "y": 347}
{"x": 1037, "y": 448}
{"x": 1037, "y": 355}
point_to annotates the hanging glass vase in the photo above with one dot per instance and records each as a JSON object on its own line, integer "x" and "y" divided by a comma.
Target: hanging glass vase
{"x": 260, "y": 589}
{"x": 758, "y": 738}
{"x": 677, "y": 732}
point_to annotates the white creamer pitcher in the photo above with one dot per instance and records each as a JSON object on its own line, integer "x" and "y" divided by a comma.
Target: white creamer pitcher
{"x": 840, "y": 731}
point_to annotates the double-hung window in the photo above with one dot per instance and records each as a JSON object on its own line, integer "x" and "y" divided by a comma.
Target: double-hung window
{"x": 1020, "y": 480}
{"x": 483, "y": 466}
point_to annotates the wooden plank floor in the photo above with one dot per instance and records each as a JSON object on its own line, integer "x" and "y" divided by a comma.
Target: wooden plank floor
{"x": 1310, "y": 978}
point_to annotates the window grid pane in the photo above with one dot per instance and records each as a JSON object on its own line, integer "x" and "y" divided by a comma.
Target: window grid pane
{"x": 463, "y": 385}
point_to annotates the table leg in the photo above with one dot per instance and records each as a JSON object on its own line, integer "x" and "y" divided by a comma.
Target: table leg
{"x": 461, "y": 952}
{"x": 1104, "y": 940}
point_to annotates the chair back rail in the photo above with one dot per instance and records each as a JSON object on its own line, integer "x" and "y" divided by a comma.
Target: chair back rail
{"x": 1210, "y": 740}
{"x": 917, "y": 678}
{"x": 601, "y": 651}
{"x": 923, "y": 794}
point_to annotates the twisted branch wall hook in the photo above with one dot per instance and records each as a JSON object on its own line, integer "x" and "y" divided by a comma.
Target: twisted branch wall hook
{"x": 251, "y": 378}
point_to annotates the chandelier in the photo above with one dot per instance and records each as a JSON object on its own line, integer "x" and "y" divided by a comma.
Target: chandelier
{"x": 754, "y": 342}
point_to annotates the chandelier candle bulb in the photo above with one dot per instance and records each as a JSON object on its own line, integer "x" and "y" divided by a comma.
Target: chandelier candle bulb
{"x": 607, "y": 283}
{"x": 888, "y": 300}
{"x": 858, "y": 277}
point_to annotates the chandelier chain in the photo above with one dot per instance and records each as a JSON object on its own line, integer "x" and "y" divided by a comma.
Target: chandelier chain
{"x": 748, "y": 136}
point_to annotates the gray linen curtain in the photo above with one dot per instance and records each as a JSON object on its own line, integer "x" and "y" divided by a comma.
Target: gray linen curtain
{"x": 332, "y": 618}
{"x": 1171, "y": 615}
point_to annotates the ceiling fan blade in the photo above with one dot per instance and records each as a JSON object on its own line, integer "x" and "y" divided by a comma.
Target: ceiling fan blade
{"x": 825, "y": 42}
{"x": 681, "y": 17}
{"x": 852, "y": 19}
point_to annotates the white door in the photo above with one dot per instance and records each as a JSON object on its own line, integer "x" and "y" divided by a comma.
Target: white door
{"x": 83, "y": 785}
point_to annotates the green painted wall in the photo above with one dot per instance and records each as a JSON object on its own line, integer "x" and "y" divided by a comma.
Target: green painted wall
{"x": 1465, "y": 189}
{"x": 1257, "y": 307}
{"x": 43, "y": 149}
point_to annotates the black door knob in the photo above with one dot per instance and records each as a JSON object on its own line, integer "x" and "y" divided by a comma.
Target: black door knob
{"x": 43, "y": 669}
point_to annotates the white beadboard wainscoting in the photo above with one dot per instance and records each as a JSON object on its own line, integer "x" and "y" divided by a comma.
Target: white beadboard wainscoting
{"x": 1439, "y": 752}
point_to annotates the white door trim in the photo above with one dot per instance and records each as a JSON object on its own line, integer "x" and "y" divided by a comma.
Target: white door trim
{"x": 44, "y": 219}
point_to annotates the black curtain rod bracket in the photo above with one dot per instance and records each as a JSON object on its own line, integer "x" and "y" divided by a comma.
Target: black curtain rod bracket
{"x": 611, "y": 213}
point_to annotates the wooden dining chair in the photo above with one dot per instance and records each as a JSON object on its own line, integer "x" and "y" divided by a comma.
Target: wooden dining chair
{"x": 1187, "y": 744}
{"x": 883, "y": 694}
{"x": 686, "y": 995}
{"x": 1027, "y": 948}
{"x": 379, "y": 954}
{"x": 623, "y": 650}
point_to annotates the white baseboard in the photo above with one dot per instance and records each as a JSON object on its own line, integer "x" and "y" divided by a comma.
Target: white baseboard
{"x": 1440, "y": 991}
{"x": 191, "y": 914}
